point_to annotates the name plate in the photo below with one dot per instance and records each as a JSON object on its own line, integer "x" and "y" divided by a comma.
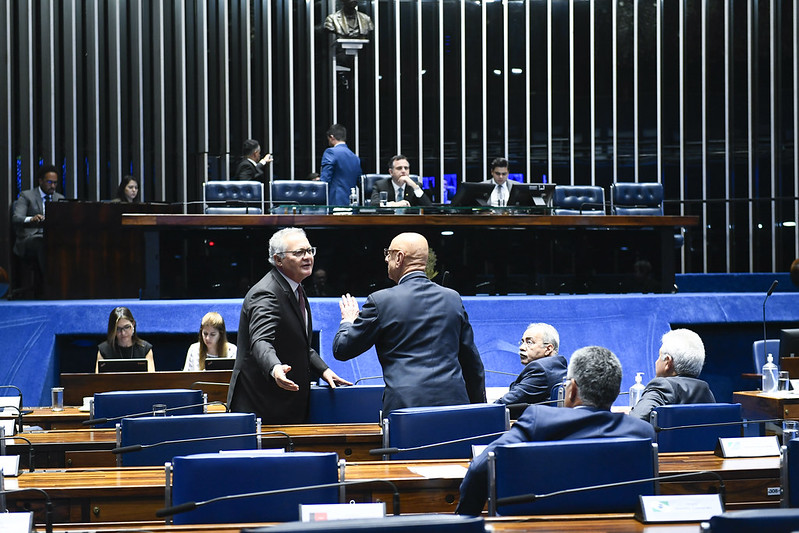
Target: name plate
{"x": 748, "y": 447}
{"x": 320, "y": 512}
{"x": 679, "y": 508}
{"x": 16, "y": 522}
{"x": 9, "y": 465}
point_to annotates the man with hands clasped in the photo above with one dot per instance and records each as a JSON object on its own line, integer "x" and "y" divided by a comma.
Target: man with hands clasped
{"x": 401, "y": 190}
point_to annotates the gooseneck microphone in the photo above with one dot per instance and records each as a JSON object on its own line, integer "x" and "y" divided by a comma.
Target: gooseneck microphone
{"x": 392, "y": 450}
{"x": 20, "y": 412}
{"x": 530, "y": 498}
{"x": 718, "y": 424}
{"x": 190, "y": 506}
{"x": 139, "y": 447}
{"x": 96, "y": 421}
{"x": 3, "y": 440}
{"x": 366, "y": 378}
{"x": 770, "y": 290}
{"x": 503, "y": 373}
{"x": 48, "y": 506}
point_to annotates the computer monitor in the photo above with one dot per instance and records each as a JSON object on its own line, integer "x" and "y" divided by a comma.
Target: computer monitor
{"x": 122, "y": 365}
{"x": 789, "y": 343}
{"x": 472, "y": 194}
{"x": 220, "y": 363}
{"x": 531, "y": 195}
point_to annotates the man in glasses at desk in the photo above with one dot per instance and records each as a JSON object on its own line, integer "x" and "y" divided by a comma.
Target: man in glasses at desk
{"x": 276, "y": 362}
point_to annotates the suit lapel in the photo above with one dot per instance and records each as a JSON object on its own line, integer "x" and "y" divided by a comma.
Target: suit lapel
{"x": 292, "y": 299}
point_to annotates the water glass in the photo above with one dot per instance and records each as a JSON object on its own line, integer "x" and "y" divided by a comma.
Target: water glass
{"x": 383, "y": 198}
{"x": 159, "y": 409}
{"x": 57, "y": 397}
{"x": 790, "y": 430}
{"x": 784, "y": 381}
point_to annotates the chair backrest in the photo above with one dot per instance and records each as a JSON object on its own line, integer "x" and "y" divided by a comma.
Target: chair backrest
{"x": 346, "y": 405}
{"x": 367, "y": 184}
{"x": 759, "y": 354}
{"x": 129, "y": 402}
{"x": 545, "y": 467}
{"x": 233, "y": 197}
{"x": 202, "y": 477}
{"x": 694, "y": 439}
{"x": 578, "y": 200}
{"x": 789, "y": 474}
{"x": 150, "y": 430}
{"x": 636, "y": 199}
{"x": 433, "y": 523}
{"x": 771, "y": 520}
{"x": 288, "y": 193}
{"x": 418, "y": 426}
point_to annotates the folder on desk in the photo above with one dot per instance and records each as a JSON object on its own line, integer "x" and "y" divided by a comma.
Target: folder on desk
{"x": 9, "y": 465}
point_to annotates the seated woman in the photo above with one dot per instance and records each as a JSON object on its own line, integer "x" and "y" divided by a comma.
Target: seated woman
{"x": 213, "y": 343}
{"x": 122, "y": 341}
{"x": 128, "y": 191}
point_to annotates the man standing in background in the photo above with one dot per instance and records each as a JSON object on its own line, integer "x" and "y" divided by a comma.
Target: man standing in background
{"x": 341, "y": 168}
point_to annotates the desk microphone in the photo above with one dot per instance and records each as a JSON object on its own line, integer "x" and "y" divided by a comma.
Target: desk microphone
{"x": 96, "y": 421}
{"x": 48, "y": 507}
{"x": 20, "y": 412}
{"x": 366, "y": 378}
{"x": 3, "y": 440}
{"x": 530, "y": 498}
{"x": 139, "y": 447}
{"x": 503, "y": 373}
{"x": 717, "y": 424}
{"x": 392, "y": 450}
{"x": 190, "y": 506}
{"x": 770, "y": 290}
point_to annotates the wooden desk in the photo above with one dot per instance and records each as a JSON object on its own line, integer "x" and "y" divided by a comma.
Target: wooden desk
{"x": 46, "y": 418}
{"x": 759, "y": 405}
{"x": 76, "y": 386}
{"x": 134, "y": 493}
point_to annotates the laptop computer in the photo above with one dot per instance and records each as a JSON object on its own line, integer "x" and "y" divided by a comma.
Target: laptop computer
{"x": 122, "y": 365}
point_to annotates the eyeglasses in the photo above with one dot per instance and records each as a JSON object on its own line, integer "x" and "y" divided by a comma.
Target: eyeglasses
{"x": 124, "y": 329}
{"x": 527, "y": 342}
{"x": 387, "y": 251}
{"x": 299, "y": 254}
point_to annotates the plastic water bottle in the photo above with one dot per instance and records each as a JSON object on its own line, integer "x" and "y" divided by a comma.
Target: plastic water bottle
{"x": 770, "y": 375}
{"x": 636, "y": 390}
{"x": 353, "y": 196}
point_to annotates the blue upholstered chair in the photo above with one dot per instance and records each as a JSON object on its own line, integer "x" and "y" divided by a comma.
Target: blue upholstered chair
{"x": 759, "y": 354}
{"x": 636, "y": 199}
{"x": 545, "y": 467}
{"x": 433, "y": 523}
{"x": 290, "y": 194}
{"x": 233, "y": 197}
{"x": 149, "y": 430}
{"x": 789, "y": 474}
{"x": 346, "y": 405}
{"x": 770, "y": 520}
{"x": 122, "y": 403}
{"x": 578, "y": 200}
{"x": 418, "y": 426}
{"x": 205, "y": 476}
{"x": 694, "y": 439}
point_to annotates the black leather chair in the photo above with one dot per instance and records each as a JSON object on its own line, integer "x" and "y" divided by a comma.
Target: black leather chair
{"x": 304, "y": 196}
{"x": 233, "y": 197}
{"x": 578, "y": 200}
{"x": 636, "y": 199}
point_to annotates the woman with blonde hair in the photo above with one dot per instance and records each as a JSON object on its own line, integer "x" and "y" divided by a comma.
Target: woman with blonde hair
{"x": 212, "y": 343}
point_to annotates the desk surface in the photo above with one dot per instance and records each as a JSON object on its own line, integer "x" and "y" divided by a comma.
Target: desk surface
{"x": 760, "y": 405}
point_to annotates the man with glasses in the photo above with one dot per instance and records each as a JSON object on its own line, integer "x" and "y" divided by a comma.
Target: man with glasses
{"x": 593, "y": 383}
{"x": 275, "y": 362}
{"x": 543, "y": 369}
{"x": 421, "y": 332}
{"x": 28, "y": 216}
{"x": 401, "y": 190}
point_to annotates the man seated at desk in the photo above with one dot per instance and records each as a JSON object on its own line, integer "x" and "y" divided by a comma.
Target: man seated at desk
{"x": 593, "y": 383}
{"x": 401, "y": 190}
{"x": 680, "y": 360}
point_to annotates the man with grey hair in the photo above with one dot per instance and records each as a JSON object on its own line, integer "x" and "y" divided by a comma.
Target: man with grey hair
{"x": 680, "y": 360}
{"x": 543, "y": 369}
{"x": 275, "y": 361}
{"x": 594, "y": 379}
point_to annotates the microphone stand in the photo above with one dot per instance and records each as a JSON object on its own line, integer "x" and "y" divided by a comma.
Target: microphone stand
{"x": 139, "y": 447}
{"x": 20, "y": 412}
{"x": 392, "y": 450}
{"x": 48, "y": 506}
{"x": 3, "y": 439}
{"x": 96, "y": 421}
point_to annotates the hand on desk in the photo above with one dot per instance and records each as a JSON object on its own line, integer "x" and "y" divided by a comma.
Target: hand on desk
{"x": 333, "y": 379}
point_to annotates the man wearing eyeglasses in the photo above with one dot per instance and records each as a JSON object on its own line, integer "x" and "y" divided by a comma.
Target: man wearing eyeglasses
{"x": 275, "y": 361}
{"x": 543, "y": 369}
{"x": 28, "y": 216}
{"x": 421, "y": 332}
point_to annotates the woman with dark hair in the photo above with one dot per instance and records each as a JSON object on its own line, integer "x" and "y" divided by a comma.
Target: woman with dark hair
{"x": 212, "y": 343}
{"x": 122, "y": 341}
{"x": 128, "y": 191}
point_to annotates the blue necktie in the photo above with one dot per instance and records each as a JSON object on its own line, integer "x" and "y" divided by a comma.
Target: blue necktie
{"x": 400, "y": 194}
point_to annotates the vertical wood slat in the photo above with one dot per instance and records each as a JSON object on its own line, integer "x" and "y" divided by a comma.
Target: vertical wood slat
{"x": 70, "y": 47}
{"x": 225, "y": 88}
{"x": 376, "y": 20}
{"x": 773, "y": 94}
{"x": 49, "y": 80}
{"x": 636, "y": 123}
{"x": 484, "y": 81}
{"x": 6, "y": 90}
{"x": 159, "y": 179}
{"x": 571, "y": 92}
{"x": 115, "y": 90}
{"x": 795, "y": 102}
{"x": 592, "y": 91}
{"x": 312, "y": 87}
{"x": 704, "y": 23}
{"x": 181, "y": 59}
{"x": 681, "y": 16}
{"x": 267, "y": 62}
{"x": 550, "y": 40}
{"x": 419, "y": 98}
{"x": 615, "y": 87}
{"x": 140, "y": 106}
{"x": 399, "y": 82}
{"x": 440, "y": 70}
{"x": 291, "y": 103}
{"x": 462, "y": 82}
{"x": 505, "y": 81}
{"x": 728, "y": 133}
{"x": 94, "y": 95}
{"x": 527, "y": 94}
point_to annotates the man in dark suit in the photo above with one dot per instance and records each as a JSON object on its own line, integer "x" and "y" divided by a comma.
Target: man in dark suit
{"x": 400, "y": 188}
{"x": 680, "y": 360}
{"x": 341, "y": 168}
{"x": 502, "y": 185}
{"x": 28, "y": 216}
{"x": 544, "y": 367}
{"x": 275, "y": 361}
{"x": 594, "y": 379}
{"x": 251, "y": 165}
{"x": 421, "y": 331}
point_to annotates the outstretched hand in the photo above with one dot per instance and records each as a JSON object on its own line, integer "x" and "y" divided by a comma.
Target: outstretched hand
{"x": 282, "y": 381}
{"x": 349, "y": 308}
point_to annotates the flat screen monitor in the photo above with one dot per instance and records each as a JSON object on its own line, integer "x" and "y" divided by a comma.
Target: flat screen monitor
{"x": 220, "y": 363}
{"x": 122, "y": 365}
{"x": 789, "y": 343}
{"x": 472, "y": 194}
{"x": 531, "y": 195}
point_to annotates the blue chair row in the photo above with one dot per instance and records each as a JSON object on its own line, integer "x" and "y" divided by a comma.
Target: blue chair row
{"x": 115, "y": 405}
{"x": 695, "y": 439}
{"x": 360, "y": 404}
{"x": 625, "y": 199}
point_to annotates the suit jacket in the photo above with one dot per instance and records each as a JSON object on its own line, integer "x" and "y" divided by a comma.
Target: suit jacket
{"x": 508, "y": 184}
{"x": 544, "y": 423}
{"x": 424, "y": 342}
{"x": 29, "y": 204}
{"x": 536, "y": 381}
{"x": 271, "y": 331}
{"x": 385, "y": 185}
{"x": 669, "y": 391}
{"x": 341, "y": 169}
{"x": 247, "y": 170}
